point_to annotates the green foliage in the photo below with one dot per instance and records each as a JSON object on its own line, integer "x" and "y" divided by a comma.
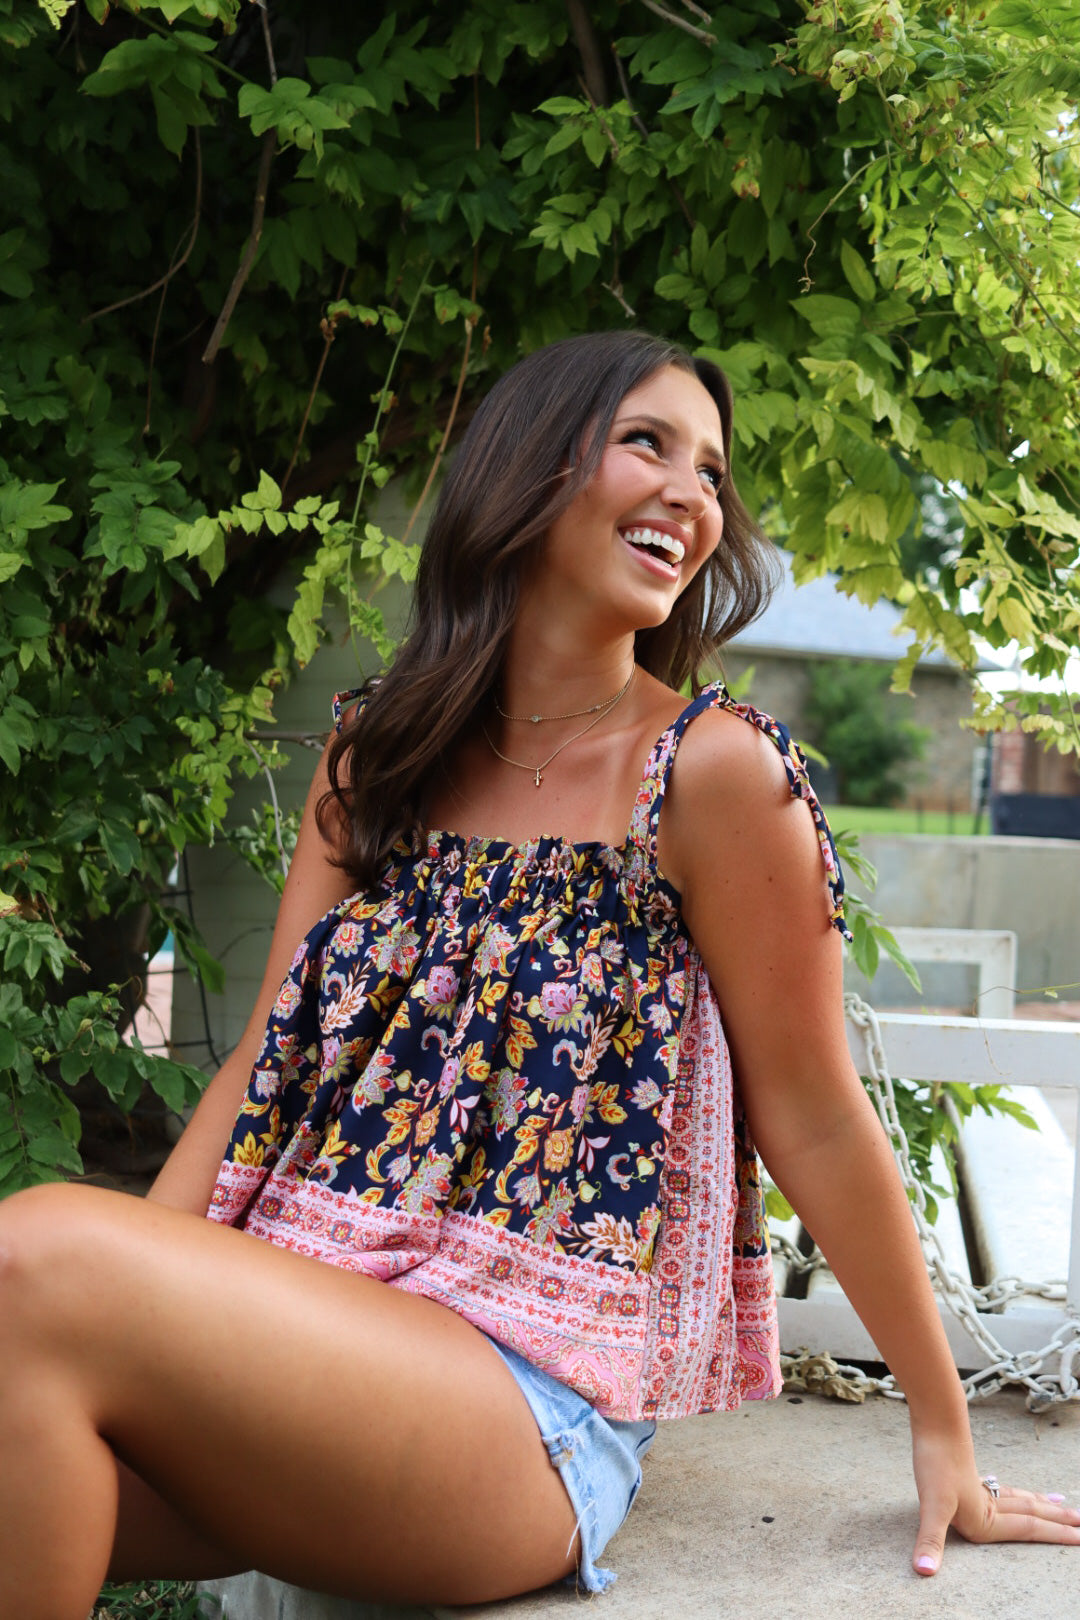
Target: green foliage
{"x": 49, "y": 1043}
{"x": 280, "y": 271}
{"x": 266, "y": 842}
{"x": 154, "y": 1600}
{"x": 860, "y": 731}
{"x": 928, "y": 1123}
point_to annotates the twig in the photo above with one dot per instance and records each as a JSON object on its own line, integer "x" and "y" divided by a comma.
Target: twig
{"x": 173, "y": 268}
{"x": 615, "y": 286}
{"x": 638, "y": 122}
{"x": 592, "y": 60}
{"x": 807, "y": 280}
{"x": 679, "y": 22}
{"x": 243, "y": 269}
{"x": 470, "y": 324}
{"x": 165, "y": 31}
{"x": 698, "y": 11}
{"x": 309, "y": 739}
{"x": 616, "y": 291}
{"x": 1013, "y": 266}
{"x": 643, "y": 129}
{"x": 384, "y": 391}
{"x": 262, "y": 185}
{"x": 329, "y": 333}
{"x": 267, "y": 41}
{"x": 278, "y": 835}
{"x": 601, "y": 120}
{"x": 177, "y": 264}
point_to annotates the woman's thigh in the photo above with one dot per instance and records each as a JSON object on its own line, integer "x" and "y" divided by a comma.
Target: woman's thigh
{"x": 309, "y": 1422}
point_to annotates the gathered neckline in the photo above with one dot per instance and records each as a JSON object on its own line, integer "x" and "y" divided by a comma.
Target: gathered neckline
{"x": 512, "y": 846}
{"x": 611, "y": 858}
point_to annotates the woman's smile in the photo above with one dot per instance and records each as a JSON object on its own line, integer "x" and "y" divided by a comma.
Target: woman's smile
{"x": 659, "y": 544}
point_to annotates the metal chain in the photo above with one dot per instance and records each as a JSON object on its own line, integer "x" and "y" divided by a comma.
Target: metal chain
{"x": 1049, "y": 1374}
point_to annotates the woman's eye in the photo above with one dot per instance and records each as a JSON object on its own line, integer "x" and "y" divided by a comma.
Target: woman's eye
{"x": 642, "y": 436}
{"x": 714, "y": 477}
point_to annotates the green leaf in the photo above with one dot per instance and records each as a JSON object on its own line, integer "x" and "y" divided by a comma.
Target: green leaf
{"x": 172, "y": 126}
{"x": 889, "y": 945}
{"x": 859, "y": 278}
{"x": 827, "y": 315}
{"x": 776, "y": 1205}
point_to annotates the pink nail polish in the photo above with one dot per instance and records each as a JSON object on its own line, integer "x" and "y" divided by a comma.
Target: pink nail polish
{"x": 1054, "y": 1496}
{"x": 925, "y": 1565}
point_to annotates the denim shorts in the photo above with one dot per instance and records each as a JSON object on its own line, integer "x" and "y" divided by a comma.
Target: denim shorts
{"x": 599, "y": 1461}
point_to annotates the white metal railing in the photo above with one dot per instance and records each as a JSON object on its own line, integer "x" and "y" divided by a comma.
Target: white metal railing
{"x": 1023, "y": 1189}
{"x": 992, "y": 951}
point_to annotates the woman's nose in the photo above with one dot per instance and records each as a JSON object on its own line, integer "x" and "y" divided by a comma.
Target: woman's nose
{"x": 684, "y": 491}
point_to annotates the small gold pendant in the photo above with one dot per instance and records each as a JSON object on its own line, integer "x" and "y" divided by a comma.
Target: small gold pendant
{"x": 539, "y": 778}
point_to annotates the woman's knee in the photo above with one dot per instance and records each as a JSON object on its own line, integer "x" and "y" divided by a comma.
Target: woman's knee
{"x": 45, "y": 1236}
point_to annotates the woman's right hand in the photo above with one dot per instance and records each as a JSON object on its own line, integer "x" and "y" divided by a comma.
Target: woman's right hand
{"x": 952, "y": 1493}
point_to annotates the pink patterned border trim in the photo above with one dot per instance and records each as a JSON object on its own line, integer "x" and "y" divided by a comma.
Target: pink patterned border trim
{"x": 713, "y": 1339}
{"x": 580, "y": 1320}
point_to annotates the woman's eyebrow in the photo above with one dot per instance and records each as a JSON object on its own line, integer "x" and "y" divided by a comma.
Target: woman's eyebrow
{"x": 663, "y": 426}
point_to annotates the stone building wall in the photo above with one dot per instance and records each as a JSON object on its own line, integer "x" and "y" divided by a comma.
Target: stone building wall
{"x": 946, "y": 775}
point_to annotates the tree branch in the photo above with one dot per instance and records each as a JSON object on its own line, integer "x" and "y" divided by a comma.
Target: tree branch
{"x": 698, "y": 11}
{"x": 329, "y": 333}
{"x": 470, "y": 324}
{"x": 267, "y": 41}
{"x": 680, "y": 22}
{"x": 592, "y": 60}
{"x": 1014, "y": 266}
{"x": 243, "y": 269}
{"x": 262, "y": 185}
{"x": 177, "y": 263}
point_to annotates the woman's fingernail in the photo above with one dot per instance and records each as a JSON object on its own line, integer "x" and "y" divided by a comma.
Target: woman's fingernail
{"x": 925, "y": 1565}
{"x": 1054, "y": 1496}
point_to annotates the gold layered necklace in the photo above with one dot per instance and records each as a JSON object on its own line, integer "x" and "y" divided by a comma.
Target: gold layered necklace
{"x": 599, "y": 711}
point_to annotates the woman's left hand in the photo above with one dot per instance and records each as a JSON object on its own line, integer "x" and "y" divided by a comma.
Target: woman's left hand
{"x": 952, "y": 1493}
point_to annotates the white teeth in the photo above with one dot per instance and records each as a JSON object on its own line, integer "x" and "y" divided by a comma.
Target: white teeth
{"x": 659, "y": 542}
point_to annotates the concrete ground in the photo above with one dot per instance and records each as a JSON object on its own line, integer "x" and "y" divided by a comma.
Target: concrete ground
{"x": 800, "y": 1509}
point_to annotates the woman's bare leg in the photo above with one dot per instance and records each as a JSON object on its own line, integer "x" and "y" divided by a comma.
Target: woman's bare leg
{"x": 296, "y": 1418}
{"x": 155, "y": 1542}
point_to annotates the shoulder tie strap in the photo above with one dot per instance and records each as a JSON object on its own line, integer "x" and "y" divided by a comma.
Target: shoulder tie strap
{"x": 341, "y": 699}
{"x": 646, "y": 818}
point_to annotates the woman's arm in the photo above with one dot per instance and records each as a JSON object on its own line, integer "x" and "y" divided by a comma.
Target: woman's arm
{"x": 313, "y": 885}
{"x": 746, "y": 858}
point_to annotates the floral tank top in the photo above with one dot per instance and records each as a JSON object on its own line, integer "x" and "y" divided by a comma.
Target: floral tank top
{"x": 499, "y": 1079}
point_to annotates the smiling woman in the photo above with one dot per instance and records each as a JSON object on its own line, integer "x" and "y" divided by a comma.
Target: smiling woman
{"x": 481, "y": 1179}
{"x": 561, "y": 421}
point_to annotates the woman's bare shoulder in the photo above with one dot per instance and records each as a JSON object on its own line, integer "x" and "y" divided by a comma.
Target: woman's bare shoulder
{"x": 728, "y": 787}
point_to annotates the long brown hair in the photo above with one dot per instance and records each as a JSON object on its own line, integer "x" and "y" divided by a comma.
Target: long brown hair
{"x": 508, "y": 482}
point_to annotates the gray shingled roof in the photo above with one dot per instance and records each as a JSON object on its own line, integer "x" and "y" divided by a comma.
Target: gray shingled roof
{"x": 817, "y": 620}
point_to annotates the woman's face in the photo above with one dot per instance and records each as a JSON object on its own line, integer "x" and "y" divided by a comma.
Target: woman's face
{"x": 630, "y": 543}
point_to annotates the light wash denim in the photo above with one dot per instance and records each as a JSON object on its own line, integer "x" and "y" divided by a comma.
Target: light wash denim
{"x": 599, "y": 1461}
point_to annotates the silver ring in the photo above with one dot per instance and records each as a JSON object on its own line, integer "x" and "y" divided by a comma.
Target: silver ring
{"x": 991, "y": 1483}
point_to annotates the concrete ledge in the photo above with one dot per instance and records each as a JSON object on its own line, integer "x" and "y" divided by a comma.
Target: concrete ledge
{"x": 803, "y": 1509}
